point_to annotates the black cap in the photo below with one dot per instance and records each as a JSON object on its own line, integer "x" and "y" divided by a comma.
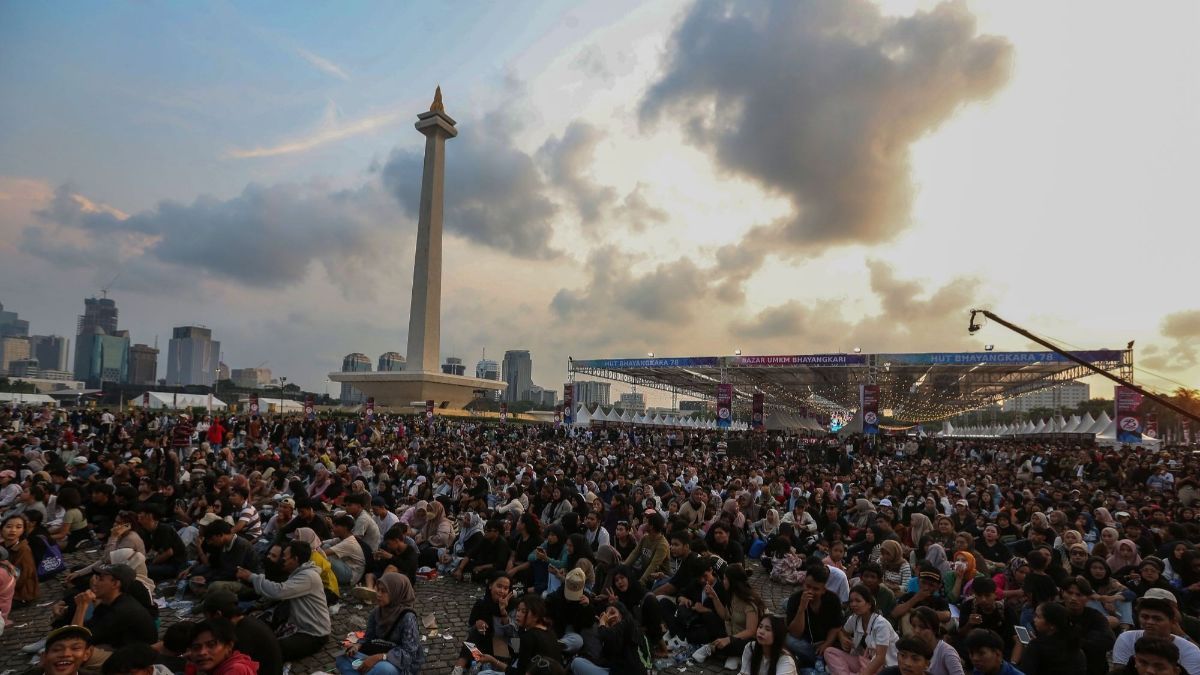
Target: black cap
{"x": 122, "y": 573}
{"x": 222, "y": 601}
{"x": 68, "y": 632}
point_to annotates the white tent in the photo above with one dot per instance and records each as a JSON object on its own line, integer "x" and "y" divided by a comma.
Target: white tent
{"x": 1085, "y": 423}
{"x": 583, "y": 418}
{"x": 627, "y": 417}
{"x": 160, "y": 400}
{"x": 27, "y": 399}
{"x": 1072, "y": 425}
{"x": 1101, "y": 424}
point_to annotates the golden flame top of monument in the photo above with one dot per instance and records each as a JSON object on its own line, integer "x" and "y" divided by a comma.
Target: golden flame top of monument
{"x": 437, "y": 106}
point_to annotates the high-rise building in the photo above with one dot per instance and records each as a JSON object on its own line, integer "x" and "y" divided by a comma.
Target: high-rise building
{"x": 193, "y": 357}
{"x": 11, "y": 325}
{"x": 143, "y": 365}
{"x": 354, "y": 363}
{"x": 251, "y": 378}
{"x": 23, "y": 368}
{"x": 454, "y": 366}
{"x": 518, "y": 374}
{"x": 1067, "y": 395}
{"x": 633, "y": 402}
{"x": 51, "y": 351}
{"x": 106, "y": 358}
{"x": 99, "y": 319}
{"x": 592, "y": 392}
{"x": 487, "y": 370}
{"x": 390, "y": 362}
{"x": 12, "y": 348}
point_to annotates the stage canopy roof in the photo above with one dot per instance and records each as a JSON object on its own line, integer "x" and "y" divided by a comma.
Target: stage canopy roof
{"x": 913, "y": 387}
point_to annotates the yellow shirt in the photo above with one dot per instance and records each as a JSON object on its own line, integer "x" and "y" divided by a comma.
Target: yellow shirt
{"x": 327, "y": 577}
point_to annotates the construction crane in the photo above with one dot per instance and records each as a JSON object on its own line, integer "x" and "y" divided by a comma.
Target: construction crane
{"x": 104, "y": 289}
{"x": 974, "y": 327}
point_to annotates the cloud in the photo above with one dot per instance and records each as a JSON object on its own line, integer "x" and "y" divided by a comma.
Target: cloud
{"x": 1183, "y": 329}
{"x": 665, "y": 295}
{"x": 820, "y": 101}
{"x": 909, "y": 318}
{"x": 329, "y": 131}
{"x": 567, "y": 160}
{"x": 268, "y": 236}
{"x": 322, "y": 64}
{"x": 495, "y": 194}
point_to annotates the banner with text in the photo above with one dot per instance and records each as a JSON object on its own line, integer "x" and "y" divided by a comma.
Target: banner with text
{"x": 868, "y": 399}
{"x": 504, "y": 413}
{"x": 429, "y": 412}
{"x": 758, "y": 421}
{"x": 569, "y": 403}
{"x": 310, "y": 407}
{"x": 724, "y": 405}
{"x": 253, "y": 404}
{"x": 1151, "y": 425}
{"x": 371, "y": 408}
{"x": 1128, "y": 404}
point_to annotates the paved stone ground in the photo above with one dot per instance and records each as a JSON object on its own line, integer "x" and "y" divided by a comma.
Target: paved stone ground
{"x": 448, "y": 601}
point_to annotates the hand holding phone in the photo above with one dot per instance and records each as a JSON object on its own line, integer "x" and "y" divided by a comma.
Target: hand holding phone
{"x": 1023, "y": 635}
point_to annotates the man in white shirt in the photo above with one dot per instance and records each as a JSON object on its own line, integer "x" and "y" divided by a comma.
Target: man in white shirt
{"x": 1158, "y": 617}
{"x": 384, "y": 519}
{"x": 345, "y": 554}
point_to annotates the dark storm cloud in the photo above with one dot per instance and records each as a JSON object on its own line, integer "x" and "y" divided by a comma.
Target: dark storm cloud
{"x": 266, "y": 236}
{"x": 495, "y": 194}
{"x": 820, "y": 101}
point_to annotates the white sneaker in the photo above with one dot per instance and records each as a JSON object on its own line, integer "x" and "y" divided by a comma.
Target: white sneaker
{"x": 458, "y": 670}
{"x": 702, "y": 653}
{"x": 733, "y": 663}
{"x": 35, "y": 647}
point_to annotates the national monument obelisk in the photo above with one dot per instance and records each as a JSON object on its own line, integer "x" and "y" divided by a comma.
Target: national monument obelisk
{"x": 422, "y": 378}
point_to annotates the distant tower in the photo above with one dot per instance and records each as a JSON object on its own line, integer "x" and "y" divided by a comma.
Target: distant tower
{"x": 390, "y": 362}
{"x": 354, "y": 363}
{"x": 425, "y": 311}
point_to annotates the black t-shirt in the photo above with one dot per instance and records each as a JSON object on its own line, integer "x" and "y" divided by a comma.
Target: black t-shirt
{"x": 937, "y": 602}
{"x": 690, "y": 569}
{"x": 818, "y": 622}
{"x": 254, "y": 639}
{"x": 1040, "y": 588}
{"x": 165, "y": 538}
{"x": 997, "y": 553}
{"x": 123, "y": 622}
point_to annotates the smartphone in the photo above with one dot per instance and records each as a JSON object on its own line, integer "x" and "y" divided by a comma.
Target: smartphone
{"x": 1022, "y": 634}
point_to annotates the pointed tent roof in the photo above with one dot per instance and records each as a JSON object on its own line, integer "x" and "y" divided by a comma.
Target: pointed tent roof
{"x": 1101, "y": 424}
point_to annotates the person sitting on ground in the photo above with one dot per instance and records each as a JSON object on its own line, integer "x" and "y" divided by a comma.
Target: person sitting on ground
{"x": 166, "y": 555}
{"x": 1095, "y": 637}
{"x": 767, "y": 655}
{"x": 252, "y": 637}
{"x": 221, "y": 554}
{"x": 689, "y": 566}
{"x": 489, "y": 625}
{"x": 1157, "y": 618}
{"x": 867, "y": 643}
{"x": 1155, "y": 656}
{"x": 212, "y": 651}
{"x": 328, "y": 578}
{"x": 914, "y": 656}
{"x": 620, "y": 645}
{"x": 307, "y": 610}
{"x": 14, "y": 539}
{"x": 490, "y": 555}
{"x": 397, "y": 554}
{"x": 814, "y": 617}
{"x": 114, "y": 617}
{"x": 942, "y": 659}
{"x": 344, "y": 552}
{"x": 365, "y": 525}
{"x": 651, "y": 555}
{"x": 986, "y": 650}
{"x": 1054, "y": 647}
{"x": 391, "y": 644}
{"x": 68, "y": 650}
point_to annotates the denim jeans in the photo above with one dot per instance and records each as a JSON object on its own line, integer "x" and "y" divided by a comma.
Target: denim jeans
{"x": 581, "y": 666}
{"x": 342, "y": 572}
{"x": 802, "y": 650}
{"x": 345, "y": 667}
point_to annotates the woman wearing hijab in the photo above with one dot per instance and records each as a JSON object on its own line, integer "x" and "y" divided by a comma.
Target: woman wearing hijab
{"x": 919, "y": 526}
{"x": 416, "y": 516}
{"x": 469, "y": 536}
{"x": 321, "y": 483}
{"x": 392, "y": 643}
{"x": 328, "y": 578}
{"x": 1125, "y": 559}
{"x": 437, "y": 533}
{"x": 1112, "y": 597}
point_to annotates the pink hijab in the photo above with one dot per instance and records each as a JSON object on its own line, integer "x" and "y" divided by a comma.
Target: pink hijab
{"x": 1119, "y": 560}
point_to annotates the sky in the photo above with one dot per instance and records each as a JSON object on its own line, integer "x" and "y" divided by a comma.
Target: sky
{"x": 683, "y": 178}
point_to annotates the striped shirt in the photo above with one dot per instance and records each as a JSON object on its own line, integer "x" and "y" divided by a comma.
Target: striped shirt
{"x": 252, "y": 529}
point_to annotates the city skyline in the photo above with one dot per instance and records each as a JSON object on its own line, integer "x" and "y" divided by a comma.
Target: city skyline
{"x": 592, "y": 211}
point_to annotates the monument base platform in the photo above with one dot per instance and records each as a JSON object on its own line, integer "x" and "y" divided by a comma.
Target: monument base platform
{"x": 398, "y": 389}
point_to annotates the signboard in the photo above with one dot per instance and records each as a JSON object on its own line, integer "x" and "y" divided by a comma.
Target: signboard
{"x": 757, "y": 419}
{"x": 695, "y": 361}
{"x": 310, "y": 408}
{"x": 813, "y": 360}
{"x": 253, "y": 404}
{"x": 868, "y": 399}
{"x": 1151, "y": 430}
{"x": 999, "y": 358}
{"x": 558, "y": 415}
{"x": 146, "y": 400}
{"x": 504, "y": 413}
{"x": 569, "y": 403}
{"x": 429, "y": 412}
{"x": 370, "y": 407}
{"x": 1128, "y": 404}
{"x": 724, "y": 406}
